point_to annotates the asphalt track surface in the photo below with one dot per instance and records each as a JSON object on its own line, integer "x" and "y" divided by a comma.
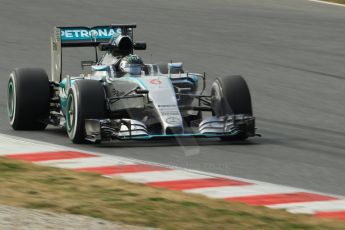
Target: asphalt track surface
{"x": 291, "y": 52}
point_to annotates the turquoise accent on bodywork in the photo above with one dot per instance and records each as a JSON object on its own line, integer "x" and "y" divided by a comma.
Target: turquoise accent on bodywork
{"x": 63, "y": 98}
{"x": 10, "y": 106}
{"x": 100, "y": 68}
{"x": 194, "y": 78}
{"x": 67, "y": 114}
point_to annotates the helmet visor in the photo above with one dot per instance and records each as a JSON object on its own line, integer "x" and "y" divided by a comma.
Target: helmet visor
{"x": 134, "y": 69}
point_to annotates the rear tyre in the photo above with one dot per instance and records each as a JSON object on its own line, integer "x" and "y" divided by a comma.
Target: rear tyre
{"x": 28, "y": 97}
{"x": 230, "y": 95}
{"x": 85, "y": 100}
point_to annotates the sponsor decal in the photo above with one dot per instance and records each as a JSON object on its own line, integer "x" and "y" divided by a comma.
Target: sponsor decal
{"x": 85, "y": 34}
{"x": 155, "y": 82}
{"x": 173, "y": 120}
{"x": 170, "y": 113}
{"x": 167, "y": 106}
{"x": 169, "y": 110}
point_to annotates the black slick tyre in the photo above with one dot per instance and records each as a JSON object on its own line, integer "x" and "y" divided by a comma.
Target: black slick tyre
{"x": 85, "y": 100}
{"x": 230, "y": 95}
{"x": 28, "y": 98}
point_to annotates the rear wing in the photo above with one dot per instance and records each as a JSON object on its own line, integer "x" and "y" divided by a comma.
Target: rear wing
{"x": 81, "y": 36}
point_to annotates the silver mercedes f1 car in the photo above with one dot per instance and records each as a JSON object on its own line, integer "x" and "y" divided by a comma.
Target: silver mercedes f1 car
{"x": 123, "y": 98}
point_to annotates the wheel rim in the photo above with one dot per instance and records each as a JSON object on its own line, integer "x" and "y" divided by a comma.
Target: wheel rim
{"x": 70, "y": 113}
{"x": 11, "y": 101}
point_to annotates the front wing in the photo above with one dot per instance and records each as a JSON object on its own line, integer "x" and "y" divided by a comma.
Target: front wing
{"x": 129, "y": 129}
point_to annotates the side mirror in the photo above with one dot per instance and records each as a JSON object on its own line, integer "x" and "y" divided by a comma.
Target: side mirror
{"x": 175, "y": 68}
{"x": 140, "y": 46}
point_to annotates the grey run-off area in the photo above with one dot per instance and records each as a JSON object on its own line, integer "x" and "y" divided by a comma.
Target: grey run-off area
{"x": 291, "y": 52}
{"x": 14, "y": 218}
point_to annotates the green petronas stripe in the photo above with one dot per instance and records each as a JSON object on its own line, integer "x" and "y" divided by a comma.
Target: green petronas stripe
{"x": 10, "y": 103}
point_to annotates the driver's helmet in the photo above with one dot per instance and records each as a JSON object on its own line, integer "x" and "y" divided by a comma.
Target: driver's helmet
{"x": 131, "y": 64}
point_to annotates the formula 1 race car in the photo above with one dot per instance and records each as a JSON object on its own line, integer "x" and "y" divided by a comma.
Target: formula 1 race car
{"x": 123, "y": 98}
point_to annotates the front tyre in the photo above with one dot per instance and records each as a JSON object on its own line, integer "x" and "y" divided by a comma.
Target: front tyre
{"x": 85, "y": 100}
{"x": 28, "y": 98}
{"x": 230, "y": 96}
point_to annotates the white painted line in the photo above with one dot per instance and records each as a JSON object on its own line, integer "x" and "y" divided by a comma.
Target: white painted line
{"x": 86, "y": 162}
{"x": 244, "y": 190}
{"x": 10, "y": 145}
{"x": 311, "y": 207}
{"x": 25, "y": 145}
{"x": 158, "y": 176}
{"x": 328, "y": 3}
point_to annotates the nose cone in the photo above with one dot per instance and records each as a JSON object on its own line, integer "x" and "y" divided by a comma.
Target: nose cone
{"x": 162, "y": 95}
